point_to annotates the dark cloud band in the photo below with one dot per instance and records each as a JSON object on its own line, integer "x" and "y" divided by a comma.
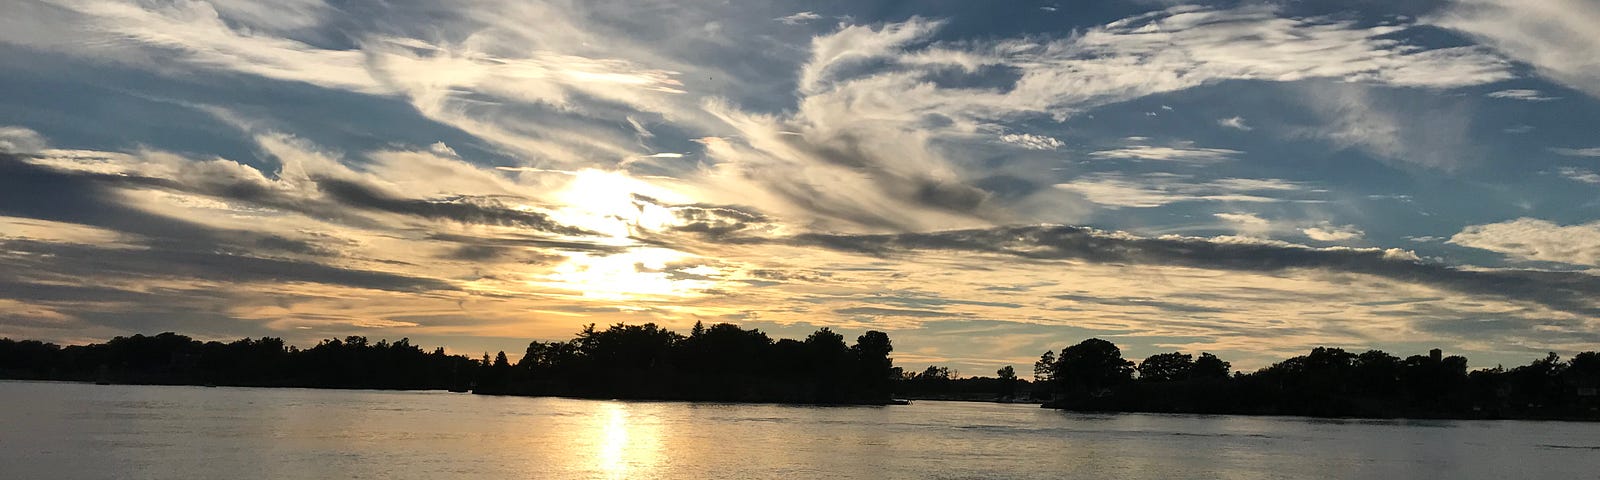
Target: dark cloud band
{"x": 1565, "y": 291}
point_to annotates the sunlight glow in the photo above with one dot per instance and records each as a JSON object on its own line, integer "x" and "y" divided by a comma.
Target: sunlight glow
{"x": 603, "y": 201}
{"x": 632, "y": 275}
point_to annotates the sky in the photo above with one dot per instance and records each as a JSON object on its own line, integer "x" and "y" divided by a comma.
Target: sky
{"x": 983, "y": 181}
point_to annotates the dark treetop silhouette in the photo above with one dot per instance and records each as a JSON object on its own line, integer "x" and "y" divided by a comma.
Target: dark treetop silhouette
{"x": 1093, "y": 376}
{"x": 724, "y": 362}
{"x": 171, "y": 359}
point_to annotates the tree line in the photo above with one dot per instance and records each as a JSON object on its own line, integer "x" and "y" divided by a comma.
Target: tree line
{"x": 942, "y": 383}
{"x": 723, "y": 362}
{"x": 1327, "y": 382}
{"x": 172, "y": 359}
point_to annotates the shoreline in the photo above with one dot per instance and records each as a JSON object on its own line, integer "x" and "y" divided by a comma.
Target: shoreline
{"x": 1337, "y": 417}
{"x": 912, "y": 401}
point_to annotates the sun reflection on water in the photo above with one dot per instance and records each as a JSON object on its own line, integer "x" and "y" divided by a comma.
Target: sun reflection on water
{"x": 627, "y": 444}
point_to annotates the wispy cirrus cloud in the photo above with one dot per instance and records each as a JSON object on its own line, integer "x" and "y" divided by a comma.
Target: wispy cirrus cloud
{"x": 1182, "y": 153}
{"x": 1116, "y": 190}
{"x": 1579, "y": 175}
{"x": 1577, "y": 152}
{"x": 1032, "y": 142}
{"x": 180, "y": 35}
{"x": 888, "y": 155}
{"x": 1333, "y": 233}
{"x": 1557, "y": 37}
{"x": 799, "y": 18}
{"x": 1256, "y": 226}
{"x": 1432, "y": 134}
{"x": 1571, "y": 292}
{"x": 1521, "y": 94}
{"x": 1248, "y": 224}
{"x": 1236, "y": 123}
{"x": 1535, "y": 239}
{"x": 20, "y": 140}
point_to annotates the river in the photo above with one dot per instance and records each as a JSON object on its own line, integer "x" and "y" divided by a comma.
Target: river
{"x": 70, "y": 430}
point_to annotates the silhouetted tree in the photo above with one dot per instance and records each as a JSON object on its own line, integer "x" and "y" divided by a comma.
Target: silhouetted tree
{"x": 169, "y": 358}
{"x": 1044, "y": 369}
{"x": 1091, "y": 367}
{"x": 715, "y": 362}
{"x": 1210, "y": 367}
{"x": 875, "y": 368}
{"x": 1166, "y": 367}
{"x": 1008, "y": 380}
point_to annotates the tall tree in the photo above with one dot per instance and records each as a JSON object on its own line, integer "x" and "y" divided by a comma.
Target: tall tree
{"x": 1044, "y": 369}
{"x": 1208, "y": 366}
{"x": 1091, "y": 366}
{"x": 1166, "y": 367}
{"x": 1008, "y": 380}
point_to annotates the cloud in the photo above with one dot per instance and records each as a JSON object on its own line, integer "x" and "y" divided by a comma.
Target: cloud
{"x": 538, "y": 92}
{"x": 856, "y": 43}
{"x": 439, "y": 148}
{"x": 1236, "y": 123}
{"x": 1246, "y": 223}
{"x": 1031, "y": 141}
{"x": 1535, "y": 239}
{"x": 712, "y": 220}
{"x": 284, "y": 16}
{"x": 890, "y": 161}
{"x": 1579, "y": 175}
{"x": 164, "y": 247}
{"x": 91, "y": 262}
{"x": 1557, "y": 37}
{"x": 548, "y": 94}
{"x": 1181, "y": 153}
{"x": 799, "y": 18}
{"x": 311, "y": 184}
{"x": 464, "y": 209}
{"x": 1394, "y": 127}
{"x": 1183, "y": 47}
{"x": 1333, "y": 233}
{"x": 1252, "y": 225}
{"x": 1578, "y": 152}
{"x": 1158, "y": 189}
{"x": 1564, "y": 291}
{"x": 179, "y": 35}
{"x": 1521, "y": 94}
{"x": 893, "y": 312}
{"x": 20, "y": 140}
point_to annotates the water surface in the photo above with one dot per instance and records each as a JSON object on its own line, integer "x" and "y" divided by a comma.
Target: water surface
{"x": 68, "y": 430}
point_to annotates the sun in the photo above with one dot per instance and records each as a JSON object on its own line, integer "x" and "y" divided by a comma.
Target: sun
{"x": 606, "y": 202}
